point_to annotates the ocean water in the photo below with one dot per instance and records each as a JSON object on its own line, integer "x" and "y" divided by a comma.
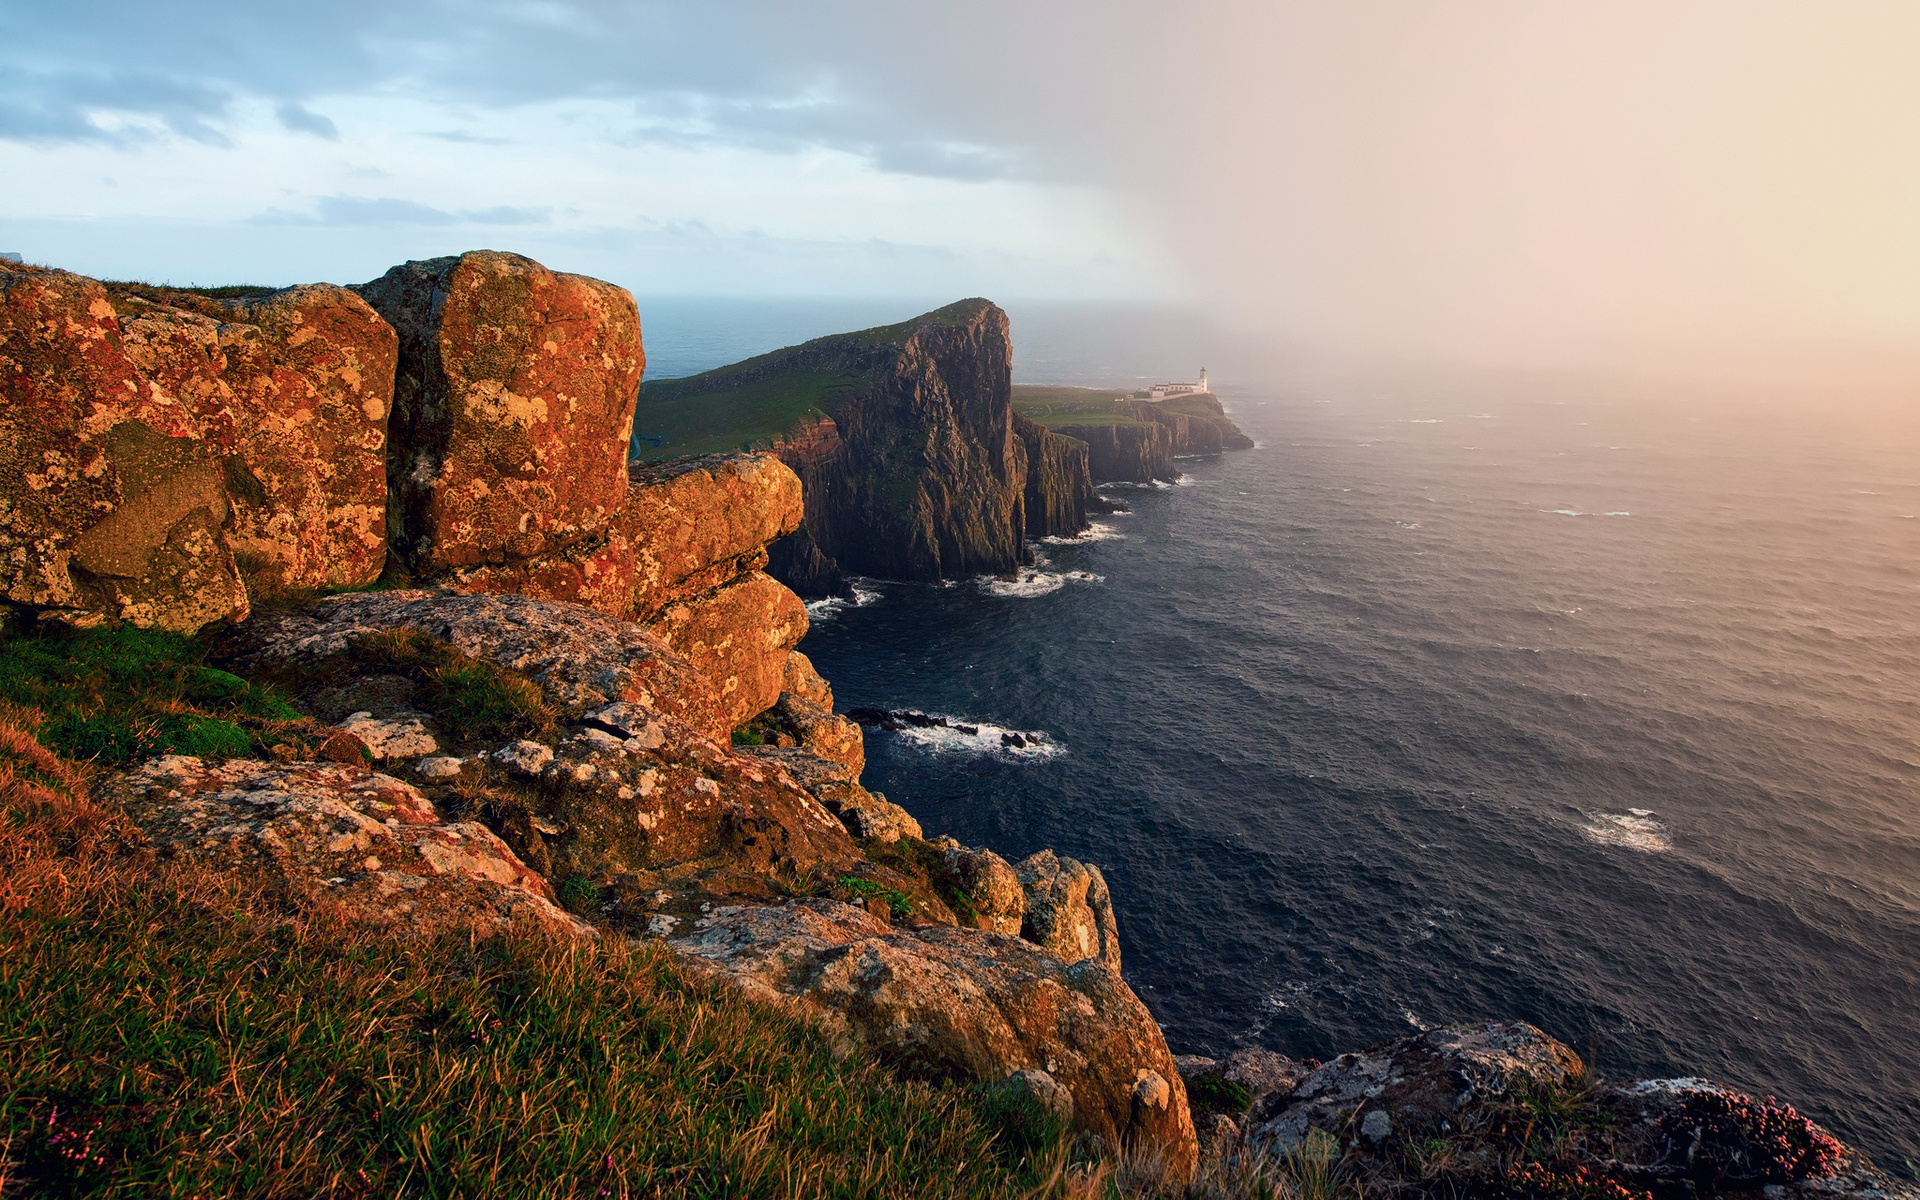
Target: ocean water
{"x": 1465, "y": 698}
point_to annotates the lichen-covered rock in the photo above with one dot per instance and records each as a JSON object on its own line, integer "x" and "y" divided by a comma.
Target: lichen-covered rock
{"x": 800, "y": 679}
{"x": 596, "y": 572}
{"x": 109, "y": 503}
{"x": 866, "y": 815}
{"x": 962, "y": 1003}
{"x": 991, "y": 887}
{"x": 294, "y": 388}
{"x": 738, "y": 635}
{"x": 621, "y": 794}
{"x": 513, "y": 407}
{"x": 1068, "y": 908}
{"x": 400, "y": 736}
{"x": 581, "y": 659}
{"x": 697, "y": 523}
{"x": 1405, "y": 1090}
{"x": 343, "y": 835}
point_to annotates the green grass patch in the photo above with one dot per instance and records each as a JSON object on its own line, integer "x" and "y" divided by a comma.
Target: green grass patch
{"x": 898, "y": 902}
{"x": 1212, "y": 1093}
{"x": 116, "y": 695}
{"x": 693, "y": 416}
{"x": 472, "y": 699}
{"x": 1056, "y": 406}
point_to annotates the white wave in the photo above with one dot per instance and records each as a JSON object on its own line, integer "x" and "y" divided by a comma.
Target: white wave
{"x": 1095, "y": 532}
{"x": 1028, "y": 583}
{"x": 865, "y": 592}
{"x": 1564, "y": 512}
{"x": 1634, "y": 829}
{"x": 1616, "y": 514}
{"x": 1424, "y": 421}
{"x": 987, "y": 739}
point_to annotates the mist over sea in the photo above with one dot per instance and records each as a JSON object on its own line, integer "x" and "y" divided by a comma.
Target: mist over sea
{"x": 1462, "y": 697}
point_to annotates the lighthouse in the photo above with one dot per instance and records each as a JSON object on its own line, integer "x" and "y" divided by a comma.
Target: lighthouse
{"x": 1203, "y": 380}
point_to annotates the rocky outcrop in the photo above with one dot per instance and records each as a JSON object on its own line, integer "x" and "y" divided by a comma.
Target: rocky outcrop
{"x": 1505, "y": 1109}
{"x": 973, "y": 1004}
{"x": 512, "y": 408}
{"x": 699, "y": 523}
{"x": 361, "y": 843}
{"x": 1068, "y": 908}
{"x": 1409, "y": 1088}
{"x": 292, "y": 389}
{"x": 110, "y": 504}
{"x": 582, "y": 660}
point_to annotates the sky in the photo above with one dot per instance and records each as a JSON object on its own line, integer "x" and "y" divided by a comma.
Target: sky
{"x": 1686, "y": 184}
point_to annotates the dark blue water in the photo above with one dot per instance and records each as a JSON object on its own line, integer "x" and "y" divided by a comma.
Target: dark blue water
{"x": 1473, "y": 698}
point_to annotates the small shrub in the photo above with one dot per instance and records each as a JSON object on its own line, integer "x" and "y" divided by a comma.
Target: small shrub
{"x": 748, "y": 737}
{"x": 578, "y": 893}
{"x": 1214, "y": 1093}
{"x": 898, "y": 902}
{"x": 1536, "y": 1181}
{"x": 1725, "y": 1137}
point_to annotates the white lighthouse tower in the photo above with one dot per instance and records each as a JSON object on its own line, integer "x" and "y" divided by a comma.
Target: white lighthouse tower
{"x": 1203, "y": 379}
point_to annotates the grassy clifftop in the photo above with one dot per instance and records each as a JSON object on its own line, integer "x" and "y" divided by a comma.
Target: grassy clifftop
{"x": 1057, "y": 406}
{"x": 757, "y": 399}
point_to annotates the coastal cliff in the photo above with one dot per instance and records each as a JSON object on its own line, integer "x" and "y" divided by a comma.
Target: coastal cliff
{"x": 905, "y": 440}
{"x": 1130, "y": 440}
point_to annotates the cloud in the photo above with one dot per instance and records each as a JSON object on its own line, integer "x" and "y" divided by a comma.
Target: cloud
{"x": 301, "y": 119}
{"x": 388, "y": 211}
{"x": 463, "y": 138}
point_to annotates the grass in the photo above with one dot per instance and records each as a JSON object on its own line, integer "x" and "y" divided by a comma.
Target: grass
{"x": 112, "y": 696}
{"x": 1057, "y": 406}
{"x": 693, "y": 421}
{"x": 473, "y": 699}
{"x": 162, "y": 1034}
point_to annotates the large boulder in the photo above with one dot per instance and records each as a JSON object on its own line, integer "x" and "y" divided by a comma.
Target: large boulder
{"x": 738, "y": 635}
{"x": 990, "y": 896}
{"x": 697, "y": 523}
{"x": 370, "y": 846}
{"x": 293, "y": 388}
{"x": 1068, "y": 908}
{"x": 513, "y": 407}
{"x": 109, "y": 502}
{"x": 945, "y": 1002}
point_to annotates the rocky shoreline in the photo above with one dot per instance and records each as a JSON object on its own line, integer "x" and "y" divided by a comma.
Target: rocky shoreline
{"x": 572, "y": 699}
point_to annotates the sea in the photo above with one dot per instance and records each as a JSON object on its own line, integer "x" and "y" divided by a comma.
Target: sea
{"x": 1463, "y": 696}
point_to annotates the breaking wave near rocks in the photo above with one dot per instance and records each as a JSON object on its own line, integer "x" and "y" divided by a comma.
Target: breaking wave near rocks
{"x": 957, "y": 735}
{"x": 1027, "y": 582}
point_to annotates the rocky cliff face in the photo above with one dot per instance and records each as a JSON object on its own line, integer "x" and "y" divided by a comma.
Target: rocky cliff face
{"x": 1143, "y": 452}
{"x": 1059, "y": 492}
{"x": 915, "y": 467}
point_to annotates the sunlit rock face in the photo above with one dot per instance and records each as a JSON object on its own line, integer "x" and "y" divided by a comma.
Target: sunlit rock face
{"x": 293, "y": 390}
{"x": 968, "y": 1003}
{"x": 110, "y": 505}
{"x": 513, "y": 407}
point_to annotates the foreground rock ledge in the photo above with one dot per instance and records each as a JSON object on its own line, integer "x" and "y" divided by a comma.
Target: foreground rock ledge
{"x": 946, "y": 1002}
